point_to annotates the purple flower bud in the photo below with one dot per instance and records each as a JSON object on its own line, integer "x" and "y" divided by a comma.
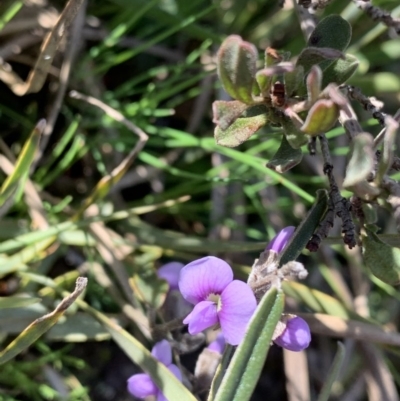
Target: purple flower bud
{"x": 279, "y": 242}
{"x": 141, "y": 385}
{"x": 296, "y": 336}
{"x": 218, "y": 345}
{"x": 170, "y": 273}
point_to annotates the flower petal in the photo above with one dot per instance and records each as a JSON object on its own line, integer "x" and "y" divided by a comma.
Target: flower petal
{"x": 162, "y": 352}
{"x": 202, "y": 277}
{"x": 218, "y": 345}
{"x": 170, "y": 273}
{"x": 141, "y": 385}
{"x": 177, "y": 373}
{"x": 238, "y": 305}
{"x": 279, "y": 242}
{"x": 203, "y": 315}
{"x": 296, "y": 336}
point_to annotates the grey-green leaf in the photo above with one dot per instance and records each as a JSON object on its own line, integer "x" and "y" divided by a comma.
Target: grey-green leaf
{"x": 294, "y": 135}
{"x": 245, "y": 368}
{"x": 332, "y": 31}
{"x": 382, "y": 259}
{"x": 237, "y": 67}
{"x": 226, "y": 112}
{"x": 361, "y": 161}
{"x": 285, "y": 158}
{"x": 340, "y": 71}
{"x": 240, "y": 131}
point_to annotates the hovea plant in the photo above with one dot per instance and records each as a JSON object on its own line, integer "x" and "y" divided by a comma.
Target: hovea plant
{"x": 306, "y": 96}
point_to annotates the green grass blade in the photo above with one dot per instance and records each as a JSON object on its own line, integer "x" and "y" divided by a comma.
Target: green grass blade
{"x": 23, "y": 163}
{"x": 41, "y": 325}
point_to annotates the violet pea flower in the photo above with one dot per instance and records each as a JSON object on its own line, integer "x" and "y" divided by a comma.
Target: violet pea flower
{"x": 279, "y": 242}
{"x": 141, "y": 385}
{"x": 296, "y": 336}
{"x": 208, "y": 284}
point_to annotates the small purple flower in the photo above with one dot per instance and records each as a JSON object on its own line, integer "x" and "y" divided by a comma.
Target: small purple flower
{"x": 208, "y": 284}
{"x": 279, "y": 242}
{"x": 296, "y": 336}
{"x": 141, "y": 385}
{"x": 218, "y": 345}
{"x": 170, "y": 273}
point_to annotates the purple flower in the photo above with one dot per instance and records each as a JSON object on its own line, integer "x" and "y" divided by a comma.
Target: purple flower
{"x": 208, "y": 284}
{"x": 170, "y": 273}
{"x": 218, "y": 345}
{"x": 279, "y": 242}
{"x": 296, "y": 336}
{"x": 141, "y": 385}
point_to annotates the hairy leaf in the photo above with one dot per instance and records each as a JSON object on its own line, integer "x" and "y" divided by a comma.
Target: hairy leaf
{"x": 382, "y": 259}
{"x": 226, "y": 112}
{"x": 285, "y": 158}
{"x": 361, "y": 161}
{"x": 340, "y": 71}
{"x": 321, "y": 117}
{"x": 237, "y": 67}
{"x": 240, "y": 131}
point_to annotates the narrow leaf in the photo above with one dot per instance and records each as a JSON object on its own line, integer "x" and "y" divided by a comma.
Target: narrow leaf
{"x": 321, "y": 117}
{"x": 23, "y": 164}
{"x": 333, "y": 373}
{"x": 285, "y": 158}
{"x": 237, "y": 67}
{"x": 41, "y": 325}
{"x": 306, "y": 228}
{"x": 16, "y": 302}
{"x": 240, "y": 131}
{"x": 246, "y": 365}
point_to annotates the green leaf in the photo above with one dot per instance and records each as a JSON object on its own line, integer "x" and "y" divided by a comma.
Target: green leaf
{"x": 306, "y": 228}
{"x": 246, "y": 365}
{"x": 321, "y": 117}
{"x": 23, "y": 164}
{"x": 226, "y": 112}
{"x": 237, "y": 67}
{"x": 240, "y": 131}
{"x": 361, "y": 161}
{"x": 340, "y": 71}
{"x": 381, "y": 259}
{"x": 333, "y": 373}
{"x": 322, "y": 56}
{"x": 16, "y": 302}
{"x": 285, "y": 158}
{"x": 41, "y": 325}
{"x": 333, "y": 32}
{"x": 295, "y": 137}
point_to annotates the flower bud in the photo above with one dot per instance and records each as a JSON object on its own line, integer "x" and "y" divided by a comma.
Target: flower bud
{"x": 296, "y": 335}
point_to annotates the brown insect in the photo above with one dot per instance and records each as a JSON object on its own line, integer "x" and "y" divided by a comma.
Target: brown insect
{"x": 278, "y": 96}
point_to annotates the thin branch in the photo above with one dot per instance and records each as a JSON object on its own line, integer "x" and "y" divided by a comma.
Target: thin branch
{"x": 377, "y": 14}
